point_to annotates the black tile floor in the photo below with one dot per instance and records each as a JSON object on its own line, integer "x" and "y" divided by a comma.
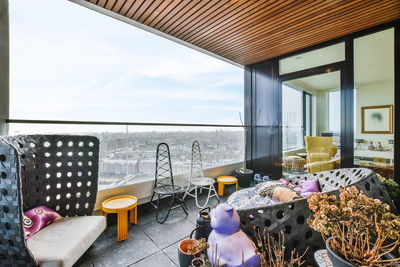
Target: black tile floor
{"x": 149, "y": 243}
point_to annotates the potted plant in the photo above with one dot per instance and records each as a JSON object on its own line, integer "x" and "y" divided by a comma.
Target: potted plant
{"x": 187, "y": 250}
{"x": 198, "y": 262}
{"x": 243, "y": 174}
{"x": 203, "y": 246}
{"x": 358, "y": 230}
{"x": 273, "y": 251}
{"x": 392, "y": 187}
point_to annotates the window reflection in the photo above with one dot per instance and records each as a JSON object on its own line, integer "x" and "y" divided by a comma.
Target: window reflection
{"x": 311, "y": 124}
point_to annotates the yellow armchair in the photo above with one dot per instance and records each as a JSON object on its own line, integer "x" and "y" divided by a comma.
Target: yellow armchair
{"x": 320, "y": 153}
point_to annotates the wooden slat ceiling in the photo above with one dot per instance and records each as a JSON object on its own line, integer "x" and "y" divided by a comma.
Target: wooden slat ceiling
{"x": 247, "y": 32}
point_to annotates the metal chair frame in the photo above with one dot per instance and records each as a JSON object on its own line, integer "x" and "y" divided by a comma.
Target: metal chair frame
{"x": 164, "y": 183}
{"x": 197, "y": 180}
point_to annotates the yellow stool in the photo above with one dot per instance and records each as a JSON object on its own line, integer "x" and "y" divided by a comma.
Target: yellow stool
{"x": 223, "y": 180}
{"x": 121, "y": 205}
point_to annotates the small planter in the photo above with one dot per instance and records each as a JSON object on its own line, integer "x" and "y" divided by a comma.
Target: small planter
{"x": 244, "y": 177}
{"x": 338, "y": 261}
{"x": 185, "y": 258}
{"x": 197, "y": 262}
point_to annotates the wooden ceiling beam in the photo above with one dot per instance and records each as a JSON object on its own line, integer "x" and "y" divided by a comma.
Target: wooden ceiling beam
{"x": 248, "y": 31}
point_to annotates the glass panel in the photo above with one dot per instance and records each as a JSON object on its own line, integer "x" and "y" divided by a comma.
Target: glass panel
{"x": 311, "y": 144}
{"x": 128, "y": 153}
{"x": 315, "y": 58}
{"x": 292, "y": 117}
{"x": 374, "y": 100}
{"x": 334, "y": 116}
{"x": 308, "y": 116}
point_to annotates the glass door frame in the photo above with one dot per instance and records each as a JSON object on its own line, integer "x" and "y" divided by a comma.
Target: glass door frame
{"x": 346, "y": 99}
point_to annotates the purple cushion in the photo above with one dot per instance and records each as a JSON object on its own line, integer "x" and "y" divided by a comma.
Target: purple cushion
{"x": 309, "y": 187}
{"x": 37, "y": 219}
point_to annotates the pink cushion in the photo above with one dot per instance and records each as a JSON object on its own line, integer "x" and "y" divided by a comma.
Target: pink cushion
{"x": 289, "y": 184}
{"x": 309, "y": 187}
{"x": 37, "y": 219}
{"x": 284, "y": 181}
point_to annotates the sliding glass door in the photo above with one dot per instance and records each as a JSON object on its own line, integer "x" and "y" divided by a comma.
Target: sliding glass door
{"x": 311, "y": 123}
{"x": 338, "y": 106}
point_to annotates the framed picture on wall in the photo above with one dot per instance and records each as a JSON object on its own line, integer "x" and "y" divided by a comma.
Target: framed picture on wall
{"x": 377, "y": 119}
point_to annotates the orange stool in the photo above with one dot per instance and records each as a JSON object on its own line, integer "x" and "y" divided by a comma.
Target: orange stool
{"x": 225, "y": 180}
{"x": 121, "y": 205}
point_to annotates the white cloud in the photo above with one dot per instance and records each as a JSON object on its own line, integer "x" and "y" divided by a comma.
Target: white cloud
{"x": 82, "y": 65}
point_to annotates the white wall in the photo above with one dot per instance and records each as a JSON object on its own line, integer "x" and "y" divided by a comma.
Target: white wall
{"x": 373, "y": 94}
{"x": 321, "y": 112}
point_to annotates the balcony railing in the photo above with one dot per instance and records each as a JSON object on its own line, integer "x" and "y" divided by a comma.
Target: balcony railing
{"x": 128, "y": 149}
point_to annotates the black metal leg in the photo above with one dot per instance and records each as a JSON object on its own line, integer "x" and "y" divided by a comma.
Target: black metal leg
{"x": 151, "y": 201}
{"x": 169, "y": 210}
{"x": 182, "y": 203}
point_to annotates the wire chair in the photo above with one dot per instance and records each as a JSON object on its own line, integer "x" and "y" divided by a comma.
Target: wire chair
{"x": 197, "y": 180}
{"x": 164, "y": 183}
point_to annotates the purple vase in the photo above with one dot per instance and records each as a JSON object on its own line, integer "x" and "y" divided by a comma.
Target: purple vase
{"x": 228, "y": 244}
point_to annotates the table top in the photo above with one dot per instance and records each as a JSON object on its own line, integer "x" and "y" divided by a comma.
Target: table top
{"x": 119, "y": 202}
{"x": 226, "y": 179}
{"x": 374, "y": 154}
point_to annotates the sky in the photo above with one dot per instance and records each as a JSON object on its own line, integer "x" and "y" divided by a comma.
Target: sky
{"x": 68, "y": 62}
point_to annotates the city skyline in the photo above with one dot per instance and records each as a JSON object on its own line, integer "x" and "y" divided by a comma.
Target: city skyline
{"x": 128, "y": 158}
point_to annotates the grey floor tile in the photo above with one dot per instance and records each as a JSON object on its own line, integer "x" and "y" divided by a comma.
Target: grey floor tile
{"x": 142, "y": 248}
{"x": 107, "y": 251}
{"x": 84, "y": 261}
{"x": 146, "y": 214}
{"x": 159, "y": 259}
{"x": 173, "y": 230}
{"x": 172, "y": 252}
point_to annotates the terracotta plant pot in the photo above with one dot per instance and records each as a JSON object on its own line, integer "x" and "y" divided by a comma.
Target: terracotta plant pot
{"x": 185, "y": 258}
{"x": 244, "y": 178}
{"x": 338, "y": 261}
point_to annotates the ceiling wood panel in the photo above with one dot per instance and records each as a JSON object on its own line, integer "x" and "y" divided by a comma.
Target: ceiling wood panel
{"x": 168, "y": 12}
{"x": 273, "y": 34}
{"x": 247, "y": 31}
{"x": 110, "y": 4}
{"x": 203, "y": 15}
{"x": 101, "y": 2}
{"x": 190, "y": 5}
{"x": 325, "y": 31}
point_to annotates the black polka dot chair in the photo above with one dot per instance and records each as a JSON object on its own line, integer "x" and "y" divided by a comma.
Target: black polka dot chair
{"x": 291, "y": 217}
{"x": 56, "y": 171}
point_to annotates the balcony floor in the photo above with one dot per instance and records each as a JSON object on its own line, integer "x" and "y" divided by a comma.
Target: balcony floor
{"x": 149, "y": 243}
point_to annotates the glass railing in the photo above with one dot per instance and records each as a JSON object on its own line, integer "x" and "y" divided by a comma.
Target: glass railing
{"x": 128, "y": 150}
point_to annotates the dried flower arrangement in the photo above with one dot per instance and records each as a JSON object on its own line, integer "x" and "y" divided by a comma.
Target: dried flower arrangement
{"x": 273, "y": 252}
{"x": 363, "y": 230}
{"x": 191, "y": 249}
{"x": 203, "y": 246}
